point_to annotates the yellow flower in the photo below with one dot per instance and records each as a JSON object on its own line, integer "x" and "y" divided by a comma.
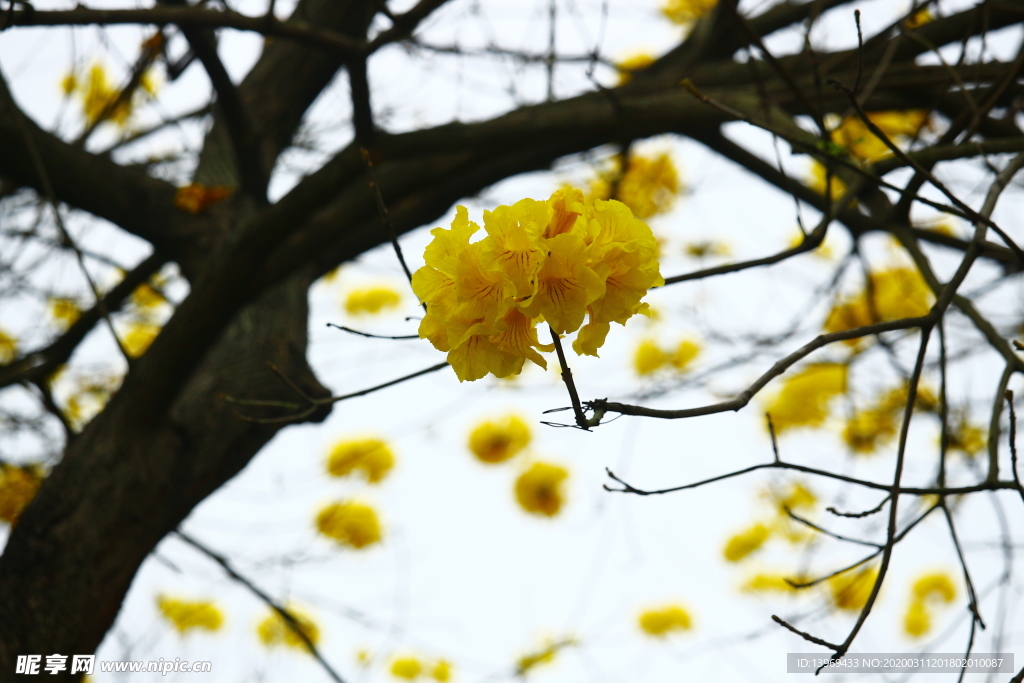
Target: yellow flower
{"x": 441, "y": 671}
{"x": 69, "y": 83}
{"x": 98, "y": 96}
{"x": 966, "y": 437}
{"x": 351, "y": 524}
{"x": 819, "y": 180}
{"x": 18, "y": 486}
{"x": 530, "y": 661}
{"x": 8, "y": 347}
{"x": 917, "y": 621}
{"x": 804, "y": 398}
{"x": 770, "y": 583}
{"x": 495, "y": 441}
{"x": 139, "y": 337}
{"x": 187, "y": 615}
{"x": 558, "y": 260}
{"x": 649, "y": 358}
{"x": 274, "y": 630}
{"x": 147, "y": 297}
{"x": 867, "y": 429}
{"x": 90, "y": 397}
{"x": 407, "y": 668}
{"x": 196, "y": 198}
{"x": 796, "y": 497}
{"x": 935, "y": 586}
{"x": 64, "y": 311}
{"x": 707, "y": 248}
{"x": 919, "y": 18}
{"x": 539, "y": 489}
{"x": 628, "y": 66}
{"x": 851, "y": 590}
{"x": 686, "y": 352}
{"x": 661, "y": 622}
{"x": 372, "y": 457}
{"x": 648, "y": 186}
{"x": 686, "y": 11}
{"x": 746, "y": 542}
{"x": 371, "y": 300}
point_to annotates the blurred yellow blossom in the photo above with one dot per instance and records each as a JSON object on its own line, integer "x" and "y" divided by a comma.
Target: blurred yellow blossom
{"x": 545, "y": 655}
{"x": 186, "y": 615}
{"x": 919, "y": 18}
{"x": 196, "y": 197}
{"x": 893, "y": 294}
{"x": 64, "y": 311}
{"x": 628, "y": 66}
{"x": 686, "y": 352}
{"x": 917, "y": 621}
{"x": 18, "y": 486}
{"x": 148, "y": 295}
{"x": 648, "y": 186}
{"x": 665, "y": 620}
{"x": 349, "y": 523}
{"x": 441, "y": 671}
{"x": 707, "y": 249}
{"x": 8, "y": 347}
{"x": 139, "y": 337}
{"x": 407, "y": 668}
{"x": 851, "y": 589}
{"x": 562, "y": 260}
{"x": 854, "y": 136}
{"x": 745, "y": 542}
{"x": 494, "y": 441}
{"x": 372, "y": 457}
{"x": 823, "y": 250}
{"x": 803, "y": 400}
{"x": 764, "y": 582}
{"x": 539, "y": 490}
{"x": 99, "y": 96}
{"x": 965, "y": 437}
{"x": 686, "y": 11}
{"x": 878, "y": 424}
{"x": 936, "y": 585}
{"x": 364, "y": 657}
{"x": 371, "y": 300}
{"x": 649, "y": 358}
{"x": 274, "y": 630}
{"x": 819, "y": 181}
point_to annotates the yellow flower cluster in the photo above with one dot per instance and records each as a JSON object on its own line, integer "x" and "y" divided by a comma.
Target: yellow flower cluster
{"x": 372, "y": 457}
{"x": 99, "y": 95}
{"x": 495, "y": 441}
{"x": 746, "y": 542}
{"x": 648, "y": 185}
{"x": 559, "y": 260}
{"x": 649, "y": 357}
{"x": 796, "y": 497}
{"x": 274, "y": 630}
{"x": 890, "y": 295}
{"x": 665, "y": 620}
{"x": 805, "y": 396}
{"x": 854, "y": 136}
{"x": 185, "y": 615}
{"x": 628, "y": 66}
{"x": 350, "y": 523}
{"x": 197, "y": 198}
{"x": 851, "y": 589}
{"x": 411, "y": 667}
{"x": 64, "y": 311}
{"x": 928, "y": 590}
{"x": 686, "y": 11}
{"x": 8, "y": 347}
{"x": 18, "y": 486}
{"x": 372, "y": 300}
{"x": 539, "y": 490}
{"x": 878, "y": 424}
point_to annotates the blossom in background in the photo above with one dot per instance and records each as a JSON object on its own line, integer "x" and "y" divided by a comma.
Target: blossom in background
{"x": 890, "y": 295}
{"x": 407, "y": 668}
{"x": 746, "y": 542}
{"x": 148, "y": 295}
{"x": 630, "y": 65}
{"x": 661, "y": 622}
{"x": 563, "y": 261}
{"x": 539, "y": 490}
{"x": 803, "y": 400}
{"x": 494, "y": 441}
{"x": 63, "y": 310}
{"x": 851, "y": 589}
{"x": 185, "y": 615}
{"x": 18, "y": 486}
{"x": 8, "y": 347}
{"x": 371, "y": 457}
{"x": 853, "y": 135}
{"x": 274, "y": 630}
{"x": 927, "y": 591}
{"x": 648, "y": 358}
{"x": 686, "y": 352}
{"x": 686, "y": 11}
{"x": 707, "y": 248}
{"x": 350, "y": 523}
{"x": 820, "y": 181}
{"x": 139, "y": 337}
{"x": 649, "y": 185}
{"x": 372, "y": 300}
{"x": 441, "y": 671}
{"x": 195, "y": 198}
{"x": 876, "y": 425}
{"x": 767, "y": 582}
{"x": 544, "y": 655}
{"x": 965, "y": 437}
